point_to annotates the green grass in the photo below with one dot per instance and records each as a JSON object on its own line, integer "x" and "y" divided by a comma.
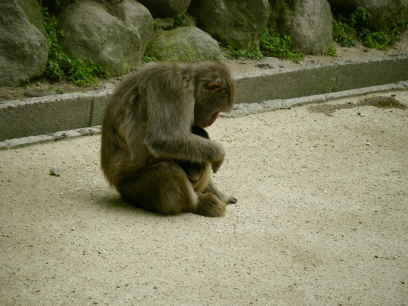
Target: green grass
{"x": 148, "y": 59}
{"x": 235, "y": 53}
{"x": 183, "y": 20}
{"x": 61, "y": 66}
{"x": 344, "y": 34}
{"x": 379, "y": 40}
{"x": 276, "y": 45}
{"x": 279, "y": 45}
{"x": 348, "y": 29}
{"x": 331, "y": 51}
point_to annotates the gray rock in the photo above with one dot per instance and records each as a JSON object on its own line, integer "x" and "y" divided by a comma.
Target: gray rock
{"x": 33, "y": 11}
{"x": 23, "y": 43}
{"x": 238, "y": 23}
{"x": 114, "y": 36}
{"x": 166, "y": 8}
{"x": 382, "y": 13}
{"x": 185, "y": 44}
{"x": 309, "y": 22}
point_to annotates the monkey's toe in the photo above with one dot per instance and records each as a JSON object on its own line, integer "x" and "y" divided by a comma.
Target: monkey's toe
{"x": 232, "y": 200}
{"x": 210, "y": 206}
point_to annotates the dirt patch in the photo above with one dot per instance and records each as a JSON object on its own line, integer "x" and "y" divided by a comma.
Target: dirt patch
{"x": 41, "y": 88}
{"x": 379, "y": 102}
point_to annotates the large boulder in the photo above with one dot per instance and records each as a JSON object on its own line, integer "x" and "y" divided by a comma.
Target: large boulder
{"x": 114, "y": 35}
{"x": 381, "y": 13}
{"x": 185, "y": 44}
{"x": 166, "y": 8}
{"x": 237, "y": 23}
{"x": 34, "y": 13}
{"x": 308, "y": 22}
{"x": 23, "y": 43}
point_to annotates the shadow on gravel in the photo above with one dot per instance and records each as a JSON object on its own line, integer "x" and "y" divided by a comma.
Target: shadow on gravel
{"x": 379, "y": 102}
{"x": 117, "y": 204}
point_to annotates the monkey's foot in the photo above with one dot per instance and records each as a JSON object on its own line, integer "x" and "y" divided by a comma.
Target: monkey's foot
{"x": 210, "y": 205}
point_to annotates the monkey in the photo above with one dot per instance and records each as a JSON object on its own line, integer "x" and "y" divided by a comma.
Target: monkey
{"x": 154, "y": 149}
{"x": 197, "y": 173}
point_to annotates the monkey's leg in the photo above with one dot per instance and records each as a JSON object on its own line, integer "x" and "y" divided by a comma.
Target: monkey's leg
{"x": 199, "y": 176}
{"x": 194, "y": 171}
{"x": 165, "y": 188}
{"x": 210, "y": 205}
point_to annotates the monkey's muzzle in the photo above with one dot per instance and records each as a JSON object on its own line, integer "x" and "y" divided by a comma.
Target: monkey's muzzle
{"x": 212, "y": 120}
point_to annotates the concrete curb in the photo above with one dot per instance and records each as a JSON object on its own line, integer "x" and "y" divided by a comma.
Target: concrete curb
{"x": 44, "y": 115}
{"x": 319, "y": 79}
{"x": 279, "y": 88}
{"x": 240, "y": 110}
{"x": 245, "y": 109}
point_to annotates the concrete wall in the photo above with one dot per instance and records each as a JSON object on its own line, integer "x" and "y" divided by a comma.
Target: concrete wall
{"x": 36, "y": 116}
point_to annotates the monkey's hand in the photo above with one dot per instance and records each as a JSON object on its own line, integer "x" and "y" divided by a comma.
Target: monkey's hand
{"x": 219, "y": 158}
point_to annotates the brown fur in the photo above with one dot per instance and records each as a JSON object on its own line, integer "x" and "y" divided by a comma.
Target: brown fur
{"x": 197, "y": 173}
{"x": 150, "y": 152}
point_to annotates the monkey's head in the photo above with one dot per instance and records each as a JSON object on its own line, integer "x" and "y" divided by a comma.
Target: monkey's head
{"x": 214, "y": 92}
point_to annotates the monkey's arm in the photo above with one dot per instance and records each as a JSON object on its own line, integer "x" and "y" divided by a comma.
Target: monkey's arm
{"x": 170, "y": 114}
{"x": 187, "y": 147}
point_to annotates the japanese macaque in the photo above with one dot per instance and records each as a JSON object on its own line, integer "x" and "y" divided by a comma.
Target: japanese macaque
{"x": 197, "y": 173}
{"x": 155, "y": 150}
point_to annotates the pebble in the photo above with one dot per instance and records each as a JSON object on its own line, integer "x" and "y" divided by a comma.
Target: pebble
{"x": 55, "y": 172}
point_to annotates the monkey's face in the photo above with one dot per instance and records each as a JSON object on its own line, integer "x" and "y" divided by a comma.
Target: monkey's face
{"x": 206, "y": 111}
{"x": 214, "y": 94}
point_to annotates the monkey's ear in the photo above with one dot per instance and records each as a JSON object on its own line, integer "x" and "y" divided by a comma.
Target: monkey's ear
{"x": 215, "y": 85}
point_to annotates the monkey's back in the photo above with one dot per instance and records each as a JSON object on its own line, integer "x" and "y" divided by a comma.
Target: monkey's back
{"x": 124, "y": 115}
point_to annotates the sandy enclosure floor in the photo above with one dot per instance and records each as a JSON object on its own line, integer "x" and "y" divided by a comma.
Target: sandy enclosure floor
{"x": 321, "y": 219}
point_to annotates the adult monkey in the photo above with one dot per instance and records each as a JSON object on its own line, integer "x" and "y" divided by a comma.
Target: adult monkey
{"x": 153, "y": 137}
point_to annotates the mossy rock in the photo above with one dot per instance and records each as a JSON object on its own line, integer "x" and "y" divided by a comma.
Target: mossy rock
{"x": 114, "y": 36}
{"x": 239, "y": 24}
{"x": 308, "y": 22}
{"x": 185, "y": 44}
{"x": 33, "y": 12}
{"x": 23, "y": 44}
{"x": 382, "y": 15}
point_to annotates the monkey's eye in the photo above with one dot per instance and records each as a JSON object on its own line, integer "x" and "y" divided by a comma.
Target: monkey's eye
{"x": 216, "y": 85}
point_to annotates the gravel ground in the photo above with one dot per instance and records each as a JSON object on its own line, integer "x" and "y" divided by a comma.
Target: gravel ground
{"x": 321, "y": 219}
